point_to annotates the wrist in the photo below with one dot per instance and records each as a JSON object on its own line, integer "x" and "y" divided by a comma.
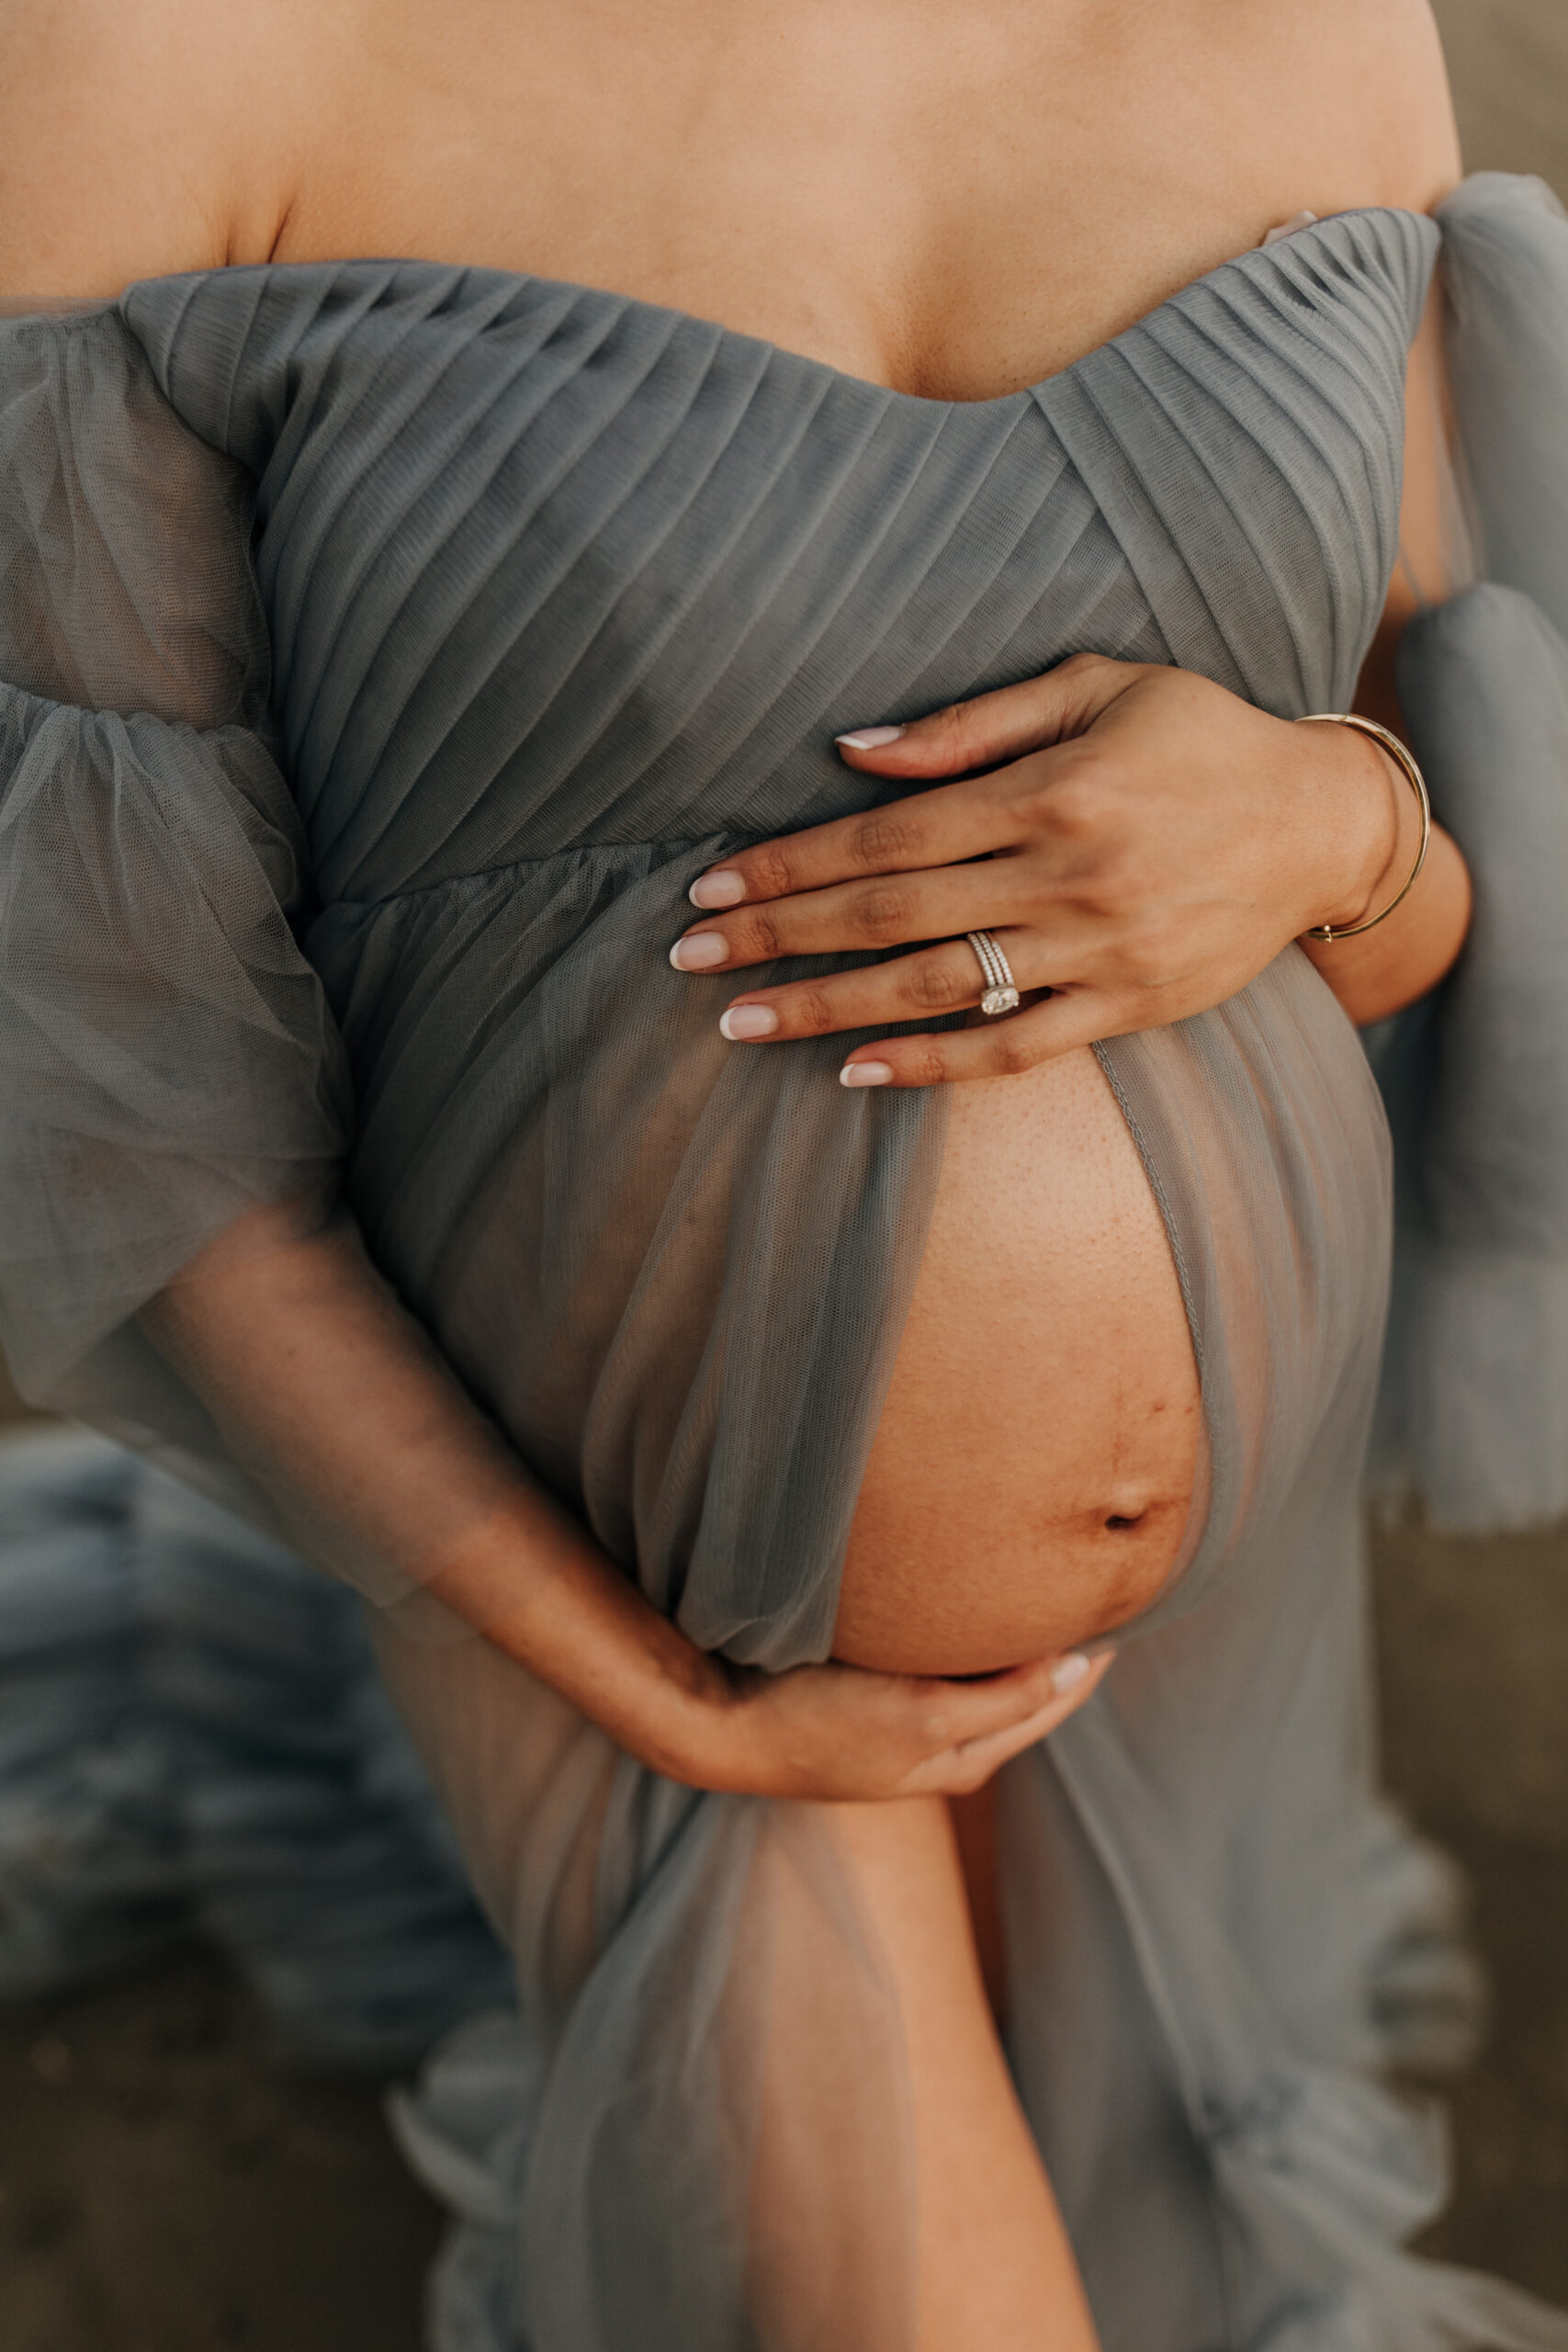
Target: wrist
{"x": 535, "y": 1586}
{"x": 686, "y": 1718}
{"x": 667, "y": 1702}
{"x": 1364, "y": 816}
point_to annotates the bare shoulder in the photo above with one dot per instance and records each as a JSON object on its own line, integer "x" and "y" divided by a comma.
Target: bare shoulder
{"x": 1409, "y": 105}
{"x": 1370, "y": 76}
{"x": 133, "y": 140}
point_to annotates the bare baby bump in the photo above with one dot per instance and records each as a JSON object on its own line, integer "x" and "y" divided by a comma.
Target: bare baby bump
{"x": 1029, "y": 1483}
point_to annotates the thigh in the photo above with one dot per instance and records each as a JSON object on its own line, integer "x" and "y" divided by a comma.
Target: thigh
{"x": 994, "y": 2271}
{"x": 975, "y": 1827}
{"x": 873, "y": 2076}
{"x": 526, "y": 1780}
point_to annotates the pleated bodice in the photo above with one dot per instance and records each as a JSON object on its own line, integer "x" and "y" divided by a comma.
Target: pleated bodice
{"x": 556, "y": 595}
{"x": 546, "y": 568}
{"x": 385, "y": 648}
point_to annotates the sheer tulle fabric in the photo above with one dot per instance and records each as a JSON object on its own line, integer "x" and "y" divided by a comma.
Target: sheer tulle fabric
{"x": 562, "y": 593}
{"x": 194, "y": 1740}
{"x": 1474, "y": 1411}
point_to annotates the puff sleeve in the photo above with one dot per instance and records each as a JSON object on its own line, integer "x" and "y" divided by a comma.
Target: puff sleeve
{"x": 167, "y": 1059}
{"x": 1474, "y": 1407}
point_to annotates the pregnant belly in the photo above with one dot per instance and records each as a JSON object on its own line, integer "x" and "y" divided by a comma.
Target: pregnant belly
{"x": 1029, "y": 1484}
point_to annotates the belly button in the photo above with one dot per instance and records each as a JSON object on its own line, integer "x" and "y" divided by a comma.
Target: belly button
{"x": 1124, "y": 1519}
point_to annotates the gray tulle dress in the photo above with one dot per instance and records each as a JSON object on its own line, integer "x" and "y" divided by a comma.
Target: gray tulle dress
{"x": 387, "y": 647}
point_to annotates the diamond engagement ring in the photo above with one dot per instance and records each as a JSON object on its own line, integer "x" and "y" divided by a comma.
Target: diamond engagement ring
{"x": 1002, "y": 989}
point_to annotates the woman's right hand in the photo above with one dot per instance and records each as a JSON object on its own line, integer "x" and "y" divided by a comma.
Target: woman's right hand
{"x": 843, "y": 1732}
{"x": 535, "y": 1584}
{"x": 410, "y": 1477}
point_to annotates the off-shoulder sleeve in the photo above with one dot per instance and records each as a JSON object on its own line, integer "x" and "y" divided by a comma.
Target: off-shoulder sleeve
{"x": 1474, "y": 1407}
{"x": 167, "y": 1060}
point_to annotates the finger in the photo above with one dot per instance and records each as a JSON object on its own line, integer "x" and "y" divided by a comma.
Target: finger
{"x": 948, "y": 1713}
{"x": 1061, "y": 1022}
{"x": 929, "y": 829}
{"x": 932, "y": 827}
{"x": 972, "y": 1762}
{"x": 891, "y": 910}
{"x": 1076, "y": 1677}
{"x": 1002, "y": 725}
{"x": 911, "y": 987}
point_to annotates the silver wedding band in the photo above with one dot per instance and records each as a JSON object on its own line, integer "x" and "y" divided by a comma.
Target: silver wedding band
{"x": 1002, "y": 989}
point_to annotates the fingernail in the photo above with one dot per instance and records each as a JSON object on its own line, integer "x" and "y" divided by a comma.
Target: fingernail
{"x": 743, "y": 1021}
{"x": 700, "y": 951}
{"x": 723, "y": 889}
{"x": 865, "y": 1073}
{"x": 1069, "y": 1671}
{"x": 869, "y": 738}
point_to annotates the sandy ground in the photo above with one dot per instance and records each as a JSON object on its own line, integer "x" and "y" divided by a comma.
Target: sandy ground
{"x": 164, "y": 2189}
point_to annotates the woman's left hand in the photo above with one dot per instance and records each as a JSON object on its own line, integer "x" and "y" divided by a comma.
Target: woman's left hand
{"x": 1142, "y": 844}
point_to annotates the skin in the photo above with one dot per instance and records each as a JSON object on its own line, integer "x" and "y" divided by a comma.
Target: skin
{"x": 953, "y": 197}
{"x": 1137, "y": 893}
{"x": 992, "y": 2267}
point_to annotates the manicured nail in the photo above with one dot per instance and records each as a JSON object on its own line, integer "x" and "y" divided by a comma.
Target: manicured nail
{"x": 723, "y": 889}
{"x": 865, "y": 1073}
{"x": 1069, "y": 1671}
{"x": 869, "y": 738}
{"x": 700, "y": 951}
{"x": 743, "y": 1021}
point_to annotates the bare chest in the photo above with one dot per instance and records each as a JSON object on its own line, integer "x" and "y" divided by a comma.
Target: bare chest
{"x": 955, "y": 199}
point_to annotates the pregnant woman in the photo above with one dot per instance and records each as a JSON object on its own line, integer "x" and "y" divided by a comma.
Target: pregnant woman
{"x": 810, "y": 482}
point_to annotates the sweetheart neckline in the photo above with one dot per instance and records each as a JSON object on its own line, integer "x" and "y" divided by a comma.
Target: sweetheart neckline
{"x": 889, "y": 393}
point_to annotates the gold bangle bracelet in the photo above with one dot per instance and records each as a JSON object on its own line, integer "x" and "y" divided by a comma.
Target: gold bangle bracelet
{"x": 1397, "y": 750}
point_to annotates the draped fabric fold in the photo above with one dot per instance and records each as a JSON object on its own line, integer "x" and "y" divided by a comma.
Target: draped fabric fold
{"x": 184, "y": 848}
{"x": 367, "y": 859}
{"x": 1474, "y": 1409}
{"x": 194, "y": 1740}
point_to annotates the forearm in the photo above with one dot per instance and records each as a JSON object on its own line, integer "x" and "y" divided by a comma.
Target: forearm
{"x": 1395, "y": 962}
{"x": 1391, "y": 966}
{"x": 1398, "y": 961}
{"x": 334, "y": 1400}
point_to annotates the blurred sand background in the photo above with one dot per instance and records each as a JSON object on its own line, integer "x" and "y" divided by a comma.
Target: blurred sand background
{"x": 164, "y": 2188}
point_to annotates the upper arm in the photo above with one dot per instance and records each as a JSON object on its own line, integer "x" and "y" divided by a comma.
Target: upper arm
{"x": 1432, "y": 561}
{"x": 129, "y": 148}
{"x": 1404, "y": 114}
{"x": 1380, "y": 93}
